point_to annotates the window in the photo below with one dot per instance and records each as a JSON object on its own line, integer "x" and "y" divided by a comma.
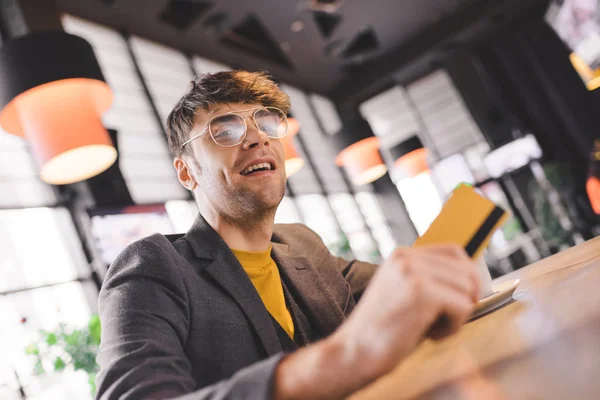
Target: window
{"x": 451, "y": 171}
{"x": 354, "y": 227}
{"x": 182, "y": 214}
{"x": 287, "y": 212}
{"x": 204, "y": 66}
{"x": 376, "y": 221}
{"x": 422, "y": 200}
{"x": 39, "y": 246}
{"x": 23, "y": 315}
{"x": 432, "y": 109}
{"x": 167, "y": 73}
{"x": 44, "y": 281}
{"x": 115, "y": 229}
{"x": 20, "y": 185}
{"x": 322, "y": 155}
{"x": 447, "y": 122}
{"x": 317, "y": 215}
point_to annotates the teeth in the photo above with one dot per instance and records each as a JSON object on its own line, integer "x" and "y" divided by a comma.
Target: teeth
{"x": 257, "y": 166}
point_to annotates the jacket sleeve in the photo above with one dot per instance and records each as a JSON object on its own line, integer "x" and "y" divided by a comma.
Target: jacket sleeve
{"x": 357, "y": 273}
{"x": 144, "y": 311}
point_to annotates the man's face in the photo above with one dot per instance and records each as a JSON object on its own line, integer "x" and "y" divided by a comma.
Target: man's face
{"x": 223, "y": 174}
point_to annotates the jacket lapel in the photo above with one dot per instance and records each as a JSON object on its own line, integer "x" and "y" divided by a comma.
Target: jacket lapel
{"x": 229, "y": 274}
{"x": 309, "y": 290}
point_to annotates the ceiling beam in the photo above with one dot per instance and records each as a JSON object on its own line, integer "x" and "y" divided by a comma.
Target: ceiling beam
{"x": 479, "y": 18}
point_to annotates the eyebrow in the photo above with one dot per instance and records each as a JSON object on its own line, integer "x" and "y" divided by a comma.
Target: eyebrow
{"x": 225, "y": 118}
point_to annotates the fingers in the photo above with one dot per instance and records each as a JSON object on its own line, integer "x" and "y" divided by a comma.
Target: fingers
{"x": 451, "y": 280}
{"x": 448, "y": 250}
{"x": 476, "y": 284}
{"x": 453, "y": 307}
{"x": 457, "y": 273}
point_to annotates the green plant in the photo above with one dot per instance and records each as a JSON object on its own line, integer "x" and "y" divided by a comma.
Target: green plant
{"x": 68, "y": 347}
{"x": 375, "y": 256}
{"x": 512, "y": 228}
{"x": 341, "y": 248}
{"x": 558, "y": 176}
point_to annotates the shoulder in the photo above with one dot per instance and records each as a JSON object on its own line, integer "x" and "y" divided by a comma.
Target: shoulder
{"x": 302, "y": 241}
{"x": 153, "y": 257}
{"x": 297, "y": 234}
{"x": 147, "y": 249}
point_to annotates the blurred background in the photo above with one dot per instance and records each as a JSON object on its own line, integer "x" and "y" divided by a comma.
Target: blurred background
{"x": 394, "y": 104}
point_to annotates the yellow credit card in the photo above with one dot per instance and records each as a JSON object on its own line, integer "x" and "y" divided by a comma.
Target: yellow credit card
{"x": 467, "y": 219}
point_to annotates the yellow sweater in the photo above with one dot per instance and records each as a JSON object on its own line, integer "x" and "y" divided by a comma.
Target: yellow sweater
{"x": 263, "y": 273}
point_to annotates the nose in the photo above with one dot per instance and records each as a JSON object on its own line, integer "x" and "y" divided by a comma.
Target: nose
{"x": 254, "y": 136}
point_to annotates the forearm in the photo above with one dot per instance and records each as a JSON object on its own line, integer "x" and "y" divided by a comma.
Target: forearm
{"x": 324, "y": 370}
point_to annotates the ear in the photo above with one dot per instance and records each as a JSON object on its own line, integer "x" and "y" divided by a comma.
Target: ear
{"x": 184, "y": 174}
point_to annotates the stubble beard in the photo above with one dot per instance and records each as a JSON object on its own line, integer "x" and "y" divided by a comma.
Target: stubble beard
{"x": 244, "y": 207}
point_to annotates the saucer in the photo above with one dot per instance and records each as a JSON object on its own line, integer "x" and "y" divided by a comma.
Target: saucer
{"x": 502, "y": 295}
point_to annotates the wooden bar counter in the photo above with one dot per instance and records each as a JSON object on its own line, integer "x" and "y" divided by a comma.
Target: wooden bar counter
{"x": 543, "y": 345}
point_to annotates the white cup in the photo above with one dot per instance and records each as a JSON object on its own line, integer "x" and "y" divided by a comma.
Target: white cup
{"x": 485, "y": 279}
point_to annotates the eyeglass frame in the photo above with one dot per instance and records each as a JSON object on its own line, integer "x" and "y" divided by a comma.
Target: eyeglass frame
{"x": 255, "y": 109}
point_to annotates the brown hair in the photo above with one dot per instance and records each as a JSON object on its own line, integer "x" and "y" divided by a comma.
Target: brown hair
{"x": 208, "y": 90}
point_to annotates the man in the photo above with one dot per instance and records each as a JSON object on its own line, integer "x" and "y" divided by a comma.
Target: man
{"x": 239, "y": 307}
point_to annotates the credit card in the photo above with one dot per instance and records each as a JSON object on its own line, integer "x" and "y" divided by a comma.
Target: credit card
{"x": 468, "y": 219}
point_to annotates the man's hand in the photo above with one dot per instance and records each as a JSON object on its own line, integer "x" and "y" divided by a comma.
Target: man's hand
{"x": 417, "y": 292}
{"x": 411, "y": 291}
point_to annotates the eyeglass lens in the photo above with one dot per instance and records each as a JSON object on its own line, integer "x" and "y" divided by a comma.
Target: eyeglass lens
{"x": 229, "y": 129}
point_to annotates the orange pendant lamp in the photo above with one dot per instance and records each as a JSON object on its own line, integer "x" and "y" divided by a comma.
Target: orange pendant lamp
{"x": 360, "y": 154}
{"x": 410, "y": 157}
{"x": 362, "y": 161}
{"x": 53, "y": 93}
{"x": 293, "y": 161}
{"x": 593, "y": 180}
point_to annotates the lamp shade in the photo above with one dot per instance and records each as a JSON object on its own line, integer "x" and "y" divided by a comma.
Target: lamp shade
{"x": 593, "y": 180}
{"x": 358, "y": 151}
{"x": 362, "y": 161}
{"x": 410, "y": 156}
{"x": 53, "y": 93}
{"x": 293, "y": 161}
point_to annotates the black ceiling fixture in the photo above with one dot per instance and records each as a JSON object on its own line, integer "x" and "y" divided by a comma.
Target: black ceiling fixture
{"x": 334, "y": 48}
{"x": 216, "y": 23}
{"x": 326, "y": 22}
{"x": 180, "y": 14}
{"x": 358, "y": 48}
{"x": 252, "y": 36}
{"x": 363, "y": 43}
{"x": 109, "y": 188}
{"x": 327, "y": 6}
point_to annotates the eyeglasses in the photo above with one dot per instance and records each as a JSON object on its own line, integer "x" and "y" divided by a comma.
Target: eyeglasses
{"x": 229, "y": 129}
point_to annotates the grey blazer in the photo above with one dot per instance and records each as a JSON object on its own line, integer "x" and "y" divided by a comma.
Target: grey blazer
{"x": 182, "y": 318}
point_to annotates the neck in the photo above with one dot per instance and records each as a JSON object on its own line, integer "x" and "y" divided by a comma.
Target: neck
{"x": 249, "y": 235}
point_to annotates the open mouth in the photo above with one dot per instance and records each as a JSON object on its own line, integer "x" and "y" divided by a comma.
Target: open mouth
{"x": 265, "y": 166}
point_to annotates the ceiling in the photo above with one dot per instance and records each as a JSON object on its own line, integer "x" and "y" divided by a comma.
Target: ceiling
{"x": 327, "y": 46}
